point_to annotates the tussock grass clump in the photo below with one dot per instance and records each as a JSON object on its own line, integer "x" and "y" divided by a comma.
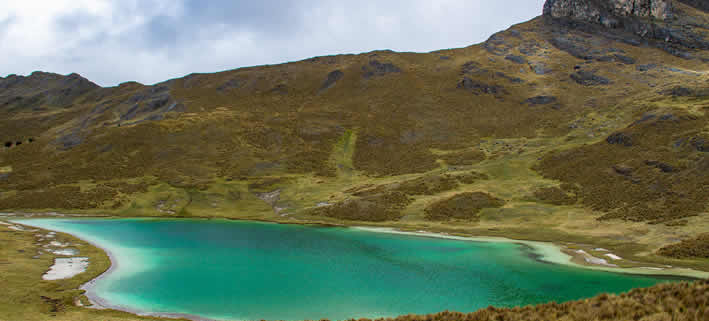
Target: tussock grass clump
{"x": 692, "y": 248}
{"x": 60, "y": 197}
{"x": 472, "y": 177}
{"x": 375, "y": 208}
{"x": 664, "y": 302}
{"x": 656, "y": 170}
{"x": 464, "y": 206}
{"x": 564, "y": 195}
{"x": 430, "y": 184}
{"x": 382, "y": 156}
{"x": 464, "y": 158}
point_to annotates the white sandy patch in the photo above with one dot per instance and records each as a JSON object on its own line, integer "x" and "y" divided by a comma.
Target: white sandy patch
{"x": 66, "y": 252}
{"x": 598, "y": 261}
{"x": 600, "y": 249}
{"x": 65, "y": 268}
{"x": 594, "y": 260}
{"x": 613, "y": 256}
{"x": 58, "y": 244}
{"x": 16, "y": 228}
{"x": 3, "y": 223}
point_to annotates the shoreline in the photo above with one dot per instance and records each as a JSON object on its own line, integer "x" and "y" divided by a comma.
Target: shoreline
{"x": 682, "y": 272}
{"x": 555, "y": 253}
{"x": 546, "y": 252}
{"x": 99, "y": 303}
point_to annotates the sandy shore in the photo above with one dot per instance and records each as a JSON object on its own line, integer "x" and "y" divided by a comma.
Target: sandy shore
{"x": 99, "y": 303}
{"x": 551, "y": 253}
{"x": 66, "y": 267}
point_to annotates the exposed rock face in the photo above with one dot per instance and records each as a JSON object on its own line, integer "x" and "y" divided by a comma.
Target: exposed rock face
{"x": 606, "y": 12}
{"x": 699, "y": 4}
{"x": 660, "y": 23}
{"x": 42, "y": 89}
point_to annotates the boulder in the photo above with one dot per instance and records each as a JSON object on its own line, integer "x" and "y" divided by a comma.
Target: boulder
{"x": 620, "y": 139}
{"x": 516, "y": 59}
{"x": 541, "y": 100}
{"x": 479, "y": 87}
{"x": 331, "y": 79}
{"x": 588, "y": 78}
{"x": 377, "y": 68}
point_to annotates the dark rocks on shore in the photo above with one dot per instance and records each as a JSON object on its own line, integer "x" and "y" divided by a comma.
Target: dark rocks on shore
{"x": 620, "y": 139}
{"x": 588, "y": 78}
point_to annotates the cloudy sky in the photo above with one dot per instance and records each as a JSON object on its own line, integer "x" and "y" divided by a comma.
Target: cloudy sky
{"x": 112, "y": 41}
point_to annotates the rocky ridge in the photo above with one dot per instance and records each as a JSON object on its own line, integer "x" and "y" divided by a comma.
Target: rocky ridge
{"x": 659, "y": 23}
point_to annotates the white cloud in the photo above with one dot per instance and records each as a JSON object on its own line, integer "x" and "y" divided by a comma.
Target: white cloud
{"x": 111, "y": 41}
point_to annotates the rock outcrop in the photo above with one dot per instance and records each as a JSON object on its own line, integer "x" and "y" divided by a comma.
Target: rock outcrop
{"x": 607, "y": 12}
{"x": 42, "y": 89}
{"x": 659, "y": 23}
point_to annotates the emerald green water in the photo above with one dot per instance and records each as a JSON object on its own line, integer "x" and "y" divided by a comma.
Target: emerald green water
{"x": 248, "y": 270}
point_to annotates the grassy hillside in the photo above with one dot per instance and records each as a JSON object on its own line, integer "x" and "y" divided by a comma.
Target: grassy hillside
{"x": 551, "y": 130}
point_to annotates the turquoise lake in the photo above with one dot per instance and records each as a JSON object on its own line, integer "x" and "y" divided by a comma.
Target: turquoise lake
{"x": 248, "y": 270}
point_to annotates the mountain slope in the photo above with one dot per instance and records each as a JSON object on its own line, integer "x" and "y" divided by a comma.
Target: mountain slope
{"x": 586, "y": 126}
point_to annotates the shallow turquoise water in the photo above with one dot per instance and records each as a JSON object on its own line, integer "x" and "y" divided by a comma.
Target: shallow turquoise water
{"x": 249, "y": 270}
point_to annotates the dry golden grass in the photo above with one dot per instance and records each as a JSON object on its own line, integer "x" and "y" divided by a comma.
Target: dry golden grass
{"x": 665, "y": 302}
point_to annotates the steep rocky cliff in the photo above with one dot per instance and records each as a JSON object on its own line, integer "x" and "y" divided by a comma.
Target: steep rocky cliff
{"x": 660, "y": 23}
{"x": 606, "y": 12}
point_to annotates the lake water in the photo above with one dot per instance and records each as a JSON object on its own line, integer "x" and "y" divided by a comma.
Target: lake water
{"x": 249, "y": 270}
